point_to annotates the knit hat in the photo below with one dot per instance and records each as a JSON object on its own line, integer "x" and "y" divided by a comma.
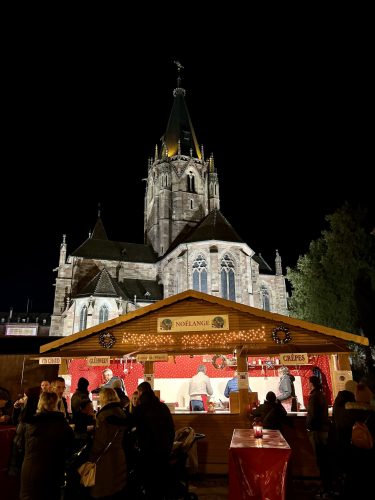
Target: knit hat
{"x": 351, "y": 385}
{"x": 363, "y": 394}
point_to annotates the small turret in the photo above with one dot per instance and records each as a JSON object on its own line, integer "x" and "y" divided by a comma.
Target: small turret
{"x": 278, "y": 266}
{"x": 62, "y": 259}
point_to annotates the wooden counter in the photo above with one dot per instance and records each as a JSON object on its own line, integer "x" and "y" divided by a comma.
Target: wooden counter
{"x": 218, "y": 428}
{"x": 213, "y": 451}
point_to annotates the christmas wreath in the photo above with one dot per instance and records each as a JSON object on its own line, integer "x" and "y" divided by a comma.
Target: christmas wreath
{"x": 107, "y": 339}
{"x": 223, "y": 361}
{"x": 281, "y": 339}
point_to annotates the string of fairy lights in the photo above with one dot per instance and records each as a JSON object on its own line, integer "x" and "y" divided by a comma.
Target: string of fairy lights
{"x": 224, "y": 339}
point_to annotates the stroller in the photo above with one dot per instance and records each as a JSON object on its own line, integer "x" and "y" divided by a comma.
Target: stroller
{"x": 184, "y": 462}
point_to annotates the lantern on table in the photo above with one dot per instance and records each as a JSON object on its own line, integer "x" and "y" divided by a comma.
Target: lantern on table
{"x": 258, "y": 427}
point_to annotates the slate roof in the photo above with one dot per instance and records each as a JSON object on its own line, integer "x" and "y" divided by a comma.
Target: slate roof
{"x": 264, "y": 268}
{"x": 143, "y": 289}
{"x": 213, "y": 227}
{"x": 180, "y": 128}
{"x": 115, "y": 250}
{"x": 102, "y": 285}
{"x": 99, "y": 232}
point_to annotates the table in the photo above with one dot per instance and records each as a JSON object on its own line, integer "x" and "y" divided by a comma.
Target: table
{"x": 257, "y": 467}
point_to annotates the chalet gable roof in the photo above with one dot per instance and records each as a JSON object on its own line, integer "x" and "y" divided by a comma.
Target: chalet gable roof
{"x": 250, "y": 329}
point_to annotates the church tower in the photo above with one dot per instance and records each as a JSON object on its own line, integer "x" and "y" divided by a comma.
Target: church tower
{"x": 182, "y": 187}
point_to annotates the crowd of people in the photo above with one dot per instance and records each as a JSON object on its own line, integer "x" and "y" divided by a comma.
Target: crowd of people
{"x": 129, "y": 439}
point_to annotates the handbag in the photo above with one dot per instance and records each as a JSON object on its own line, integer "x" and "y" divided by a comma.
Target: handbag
{"x": 87, "y": 471}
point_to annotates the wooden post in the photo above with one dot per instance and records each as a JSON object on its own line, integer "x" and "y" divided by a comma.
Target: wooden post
{"x": 340, "y": 372}
{"x": 243, "y": 393}
{"x": 148, "y": 372}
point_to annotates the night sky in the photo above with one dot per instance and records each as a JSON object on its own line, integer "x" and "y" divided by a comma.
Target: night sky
{"x": 288, "y": 127}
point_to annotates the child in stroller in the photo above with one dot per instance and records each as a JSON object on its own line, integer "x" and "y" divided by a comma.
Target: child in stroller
{"x": 184, "y": 461}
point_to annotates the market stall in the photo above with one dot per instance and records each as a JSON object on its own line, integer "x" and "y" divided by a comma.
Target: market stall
{"x": 168, "y": 339}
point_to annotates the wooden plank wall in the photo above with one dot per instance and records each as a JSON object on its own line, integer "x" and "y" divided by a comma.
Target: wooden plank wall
{"x": 218, "y": 428}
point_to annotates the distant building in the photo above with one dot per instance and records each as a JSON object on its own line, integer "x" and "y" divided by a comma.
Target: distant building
{"x": 189, "y": 244}
{"x": 25, "y": 324}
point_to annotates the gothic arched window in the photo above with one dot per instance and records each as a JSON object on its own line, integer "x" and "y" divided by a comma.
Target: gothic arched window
{"x": 83, "y": 318}
{"x": 228, "y": 283}
{"x": 103, "y": 314}
{"x": 200, "y": 274}
{"x": 190, "y": 182}
{"x": 264, "y": 293}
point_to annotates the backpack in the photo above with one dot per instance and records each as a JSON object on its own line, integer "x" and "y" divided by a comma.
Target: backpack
{"x": 361, "y": 436}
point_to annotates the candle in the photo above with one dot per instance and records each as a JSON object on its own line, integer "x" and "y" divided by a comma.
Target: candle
{"x": 258, "y": 427}
{"x": 258, "y": 431}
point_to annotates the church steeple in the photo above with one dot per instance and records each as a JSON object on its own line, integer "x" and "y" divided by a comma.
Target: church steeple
{"x": 99, "y": 233}
{"x": 180, "y": 134}
{"x": 182, "y": 187}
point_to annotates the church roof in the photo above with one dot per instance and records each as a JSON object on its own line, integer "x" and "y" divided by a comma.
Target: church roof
{"x": 99, "y": 233}
{"x": 115, "y": 250}
{"x": 180, "y": 128}
{"x": 144, "y": 290}
{"x": 213, "y": 227}
{"x": 102, "y": 285}
{"x": 264, "y": 267}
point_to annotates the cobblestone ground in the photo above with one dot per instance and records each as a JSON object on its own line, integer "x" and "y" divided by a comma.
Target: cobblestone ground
{"x": 216, "y": 488}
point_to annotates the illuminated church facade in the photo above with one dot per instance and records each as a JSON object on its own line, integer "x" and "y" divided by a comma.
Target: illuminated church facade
{"x": 188, "y": 244}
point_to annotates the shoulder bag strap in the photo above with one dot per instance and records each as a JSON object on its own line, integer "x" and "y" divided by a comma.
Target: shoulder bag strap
{"x": 107, "y": 447}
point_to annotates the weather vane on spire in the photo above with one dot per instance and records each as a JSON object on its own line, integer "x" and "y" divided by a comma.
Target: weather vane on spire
{"x": 179, "y": 68}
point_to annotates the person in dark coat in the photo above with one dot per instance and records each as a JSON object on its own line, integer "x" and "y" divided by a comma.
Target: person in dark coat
{"x": 48, "y": 442}
{"x": 111, "y": 469}
{"x": 28, "y": 411}
{"x": 155, "y": 432}
{"x": 317, "y": 424}
{"x": 271, "y": 412}
{"x": 360, "y": 461}
{"x": 80, "y": 394}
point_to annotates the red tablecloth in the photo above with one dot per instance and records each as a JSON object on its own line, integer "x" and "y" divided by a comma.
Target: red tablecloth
{"x": 257, "y": 467}
{"x": 7, "y": 433}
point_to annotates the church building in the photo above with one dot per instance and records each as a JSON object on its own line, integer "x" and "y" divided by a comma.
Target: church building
{"x": 188, "y": 244}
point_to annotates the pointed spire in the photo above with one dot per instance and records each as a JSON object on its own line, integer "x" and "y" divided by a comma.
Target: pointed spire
{"x": 99, "y": 209}
{"x": 179, "y": 147}
{"x": 179, "y": 126}
{"x": 99, "y": 233}
{"x": 278, "y": 266}
{"x": 62, "y": 258}
{"x": 212, "y": 163}
{"x": 156, "y": 152}
{"x": 202, "y": 152}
